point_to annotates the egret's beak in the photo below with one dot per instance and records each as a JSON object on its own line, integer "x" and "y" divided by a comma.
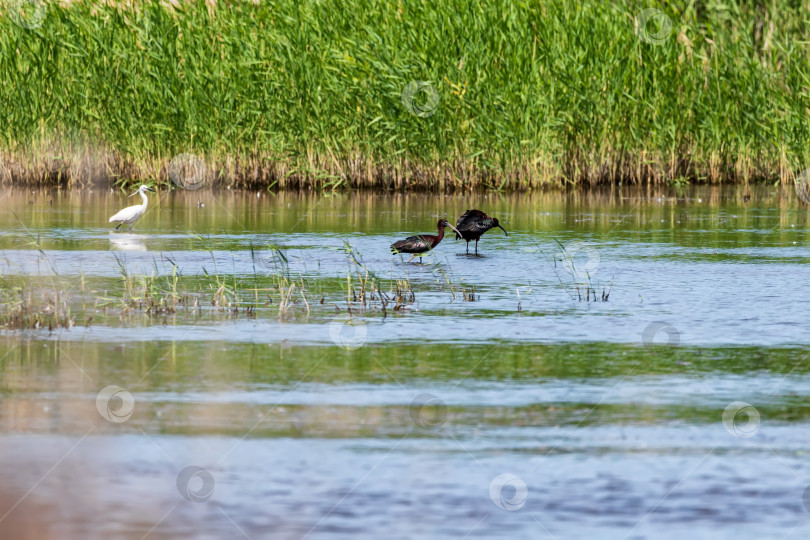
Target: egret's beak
{"x": 147, "y": 189}
{"x": 504, "y": 230}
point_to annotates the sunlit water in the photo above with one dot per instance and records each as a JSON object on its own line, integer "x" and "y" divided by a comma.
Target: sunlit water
{"x": 611, "y": 414}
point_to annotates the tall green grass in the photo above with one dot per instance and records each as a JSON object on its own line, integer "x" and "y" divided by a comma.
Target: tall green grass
{"x": 309, "y": 92}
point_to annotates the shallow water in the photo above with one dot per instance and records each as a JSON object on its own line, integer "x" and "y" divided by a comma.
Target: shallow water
{"x": 610, "y": 413}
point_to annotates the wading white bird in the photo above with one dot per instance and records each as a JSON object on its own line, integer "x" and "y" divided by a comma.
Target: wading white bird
{"x": 131, "y": 214}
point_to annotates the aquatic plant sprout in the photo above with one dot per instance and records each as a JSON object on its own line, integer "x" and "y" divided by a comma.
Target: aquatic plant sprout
{"x": 580, "y": 271}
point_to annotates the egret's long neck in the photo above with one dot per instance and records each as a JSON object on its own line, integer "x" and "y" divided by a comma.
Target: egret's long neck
{"x": 144, "y": 199}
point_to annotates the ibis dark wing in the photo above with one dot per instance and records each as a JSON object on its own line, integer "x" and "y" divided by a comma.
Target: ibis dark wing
{"x": 412, "y": 244}
{"x": 470, "y": 216}
{"x": 473, "y": 223}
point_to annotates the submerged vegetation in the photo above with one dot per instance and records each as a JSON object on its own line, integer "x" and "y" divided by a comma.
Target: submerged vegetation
{"x": 51, "y": 302}
{"x": 392, "y": 94}
{"x": 582, "y": 288}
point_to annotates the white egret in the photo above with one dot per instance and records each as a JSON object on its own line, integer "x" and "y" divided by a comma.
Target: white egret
{"x": 131, "y": 214}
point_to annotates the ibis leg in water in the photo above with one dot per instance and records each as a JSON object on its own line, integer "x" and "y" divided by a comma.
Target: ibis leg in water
{"x": 421, "y": 244}
{"x": 473, "y": 224}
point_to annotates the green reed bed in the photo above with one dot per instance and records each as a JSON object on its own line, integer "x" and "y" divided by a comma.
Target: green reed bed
{"x": 318, "y": 93}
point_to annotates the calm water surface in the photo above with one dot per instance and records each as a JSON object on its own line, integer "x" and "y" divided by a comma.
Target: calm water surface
{"x": 678, "y": 407}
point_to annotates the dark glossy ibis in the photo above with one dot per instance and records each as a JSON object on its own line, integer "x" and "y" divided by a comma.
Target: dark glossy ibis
{"x": 473, "y": 224}
{"x": 421, "y": 244}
